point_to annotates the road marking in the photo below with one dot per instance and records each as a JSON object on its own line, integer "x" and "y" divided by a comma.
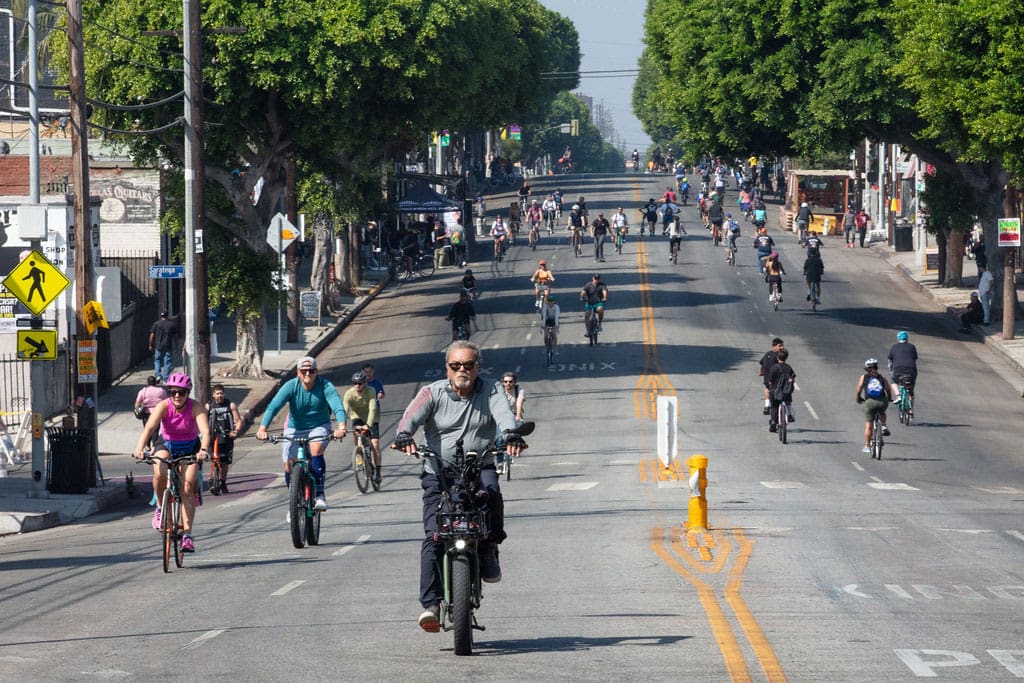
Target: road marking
{"x": 807, "y": 404}
{"x": 755, "y": 636}
{"x": 783, "y": 485}
{"x": 566, "y": 463}
{"x": 857, "y": 466}
{"x": 891, "y": 486}
{"x": 970, "y": 531}
{"x": 852, "y": 590}
{"x": 286, "y": 588}
{"x": 358, "y": 542}
{"x": 1016, "y": 534}
{"x": 871, "y": 528}
{"x": 201, "y": 640}
{"x": 573, "y": 486}
{"x": 998, "y": 489}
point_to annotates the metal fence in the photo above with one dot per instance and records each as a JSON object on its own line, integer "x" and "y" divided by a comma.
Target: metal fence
{"x": 16, "y": 387}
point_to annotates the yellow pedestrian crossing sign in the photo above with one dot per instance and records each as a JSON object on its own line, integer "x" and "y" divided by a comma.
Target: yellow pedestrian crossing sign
{"x": 37, "y": 344}
{"x": 36, "y": 282}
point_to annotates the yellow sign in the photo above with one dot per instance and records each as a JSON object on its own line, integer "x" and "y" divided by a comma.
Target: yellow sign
{"x": 93, "y": 316}
{"x": 87, "y": 362}
{"x": 37, "y": 344}
{"x": 36, "y": 282}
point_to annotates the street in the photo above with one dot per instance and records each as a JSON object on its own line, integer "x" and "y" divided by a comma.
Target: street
{"x": 820, "y": 564}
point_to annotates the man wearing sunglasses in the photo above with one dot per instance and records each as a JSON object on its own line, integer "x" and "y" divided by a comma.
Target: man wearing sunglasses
{"x": 311, "y": 401}
{"x": 461, "y": 406}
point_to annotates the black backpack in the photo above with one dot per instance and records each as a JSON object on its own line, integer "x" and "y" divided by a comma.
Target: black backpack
{"x": 783, "y": 386}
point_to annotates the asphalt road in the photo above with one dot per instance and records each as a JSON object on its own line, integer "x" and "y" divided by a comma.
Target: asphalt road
{"x": 820, "y": 564}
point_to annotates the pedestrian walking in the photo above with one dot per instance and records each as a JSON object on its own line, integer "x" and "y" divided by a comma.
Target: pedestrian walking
{"x": 163, "y": 337}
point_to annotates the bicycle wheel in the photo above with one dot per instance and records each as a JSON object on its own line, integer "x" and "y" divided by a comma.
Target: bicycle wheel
{"x": 549, "y": 347}
{"x": 909, "y": 405}
{"x": 167, "y": 529}
{"x": 876, "y": 439}
{"x": 462, "y": 607}
{"x": 374, "y": 475}
{"x": 313, "y": 528}
{"x": 782, "y": 420}
{"x": 592, "y": 332}
{"x": 425, "y": 267}
{"x": 179, "y": 550}
{"x": 360, "y": 468}
{"x": 508, "y": 467}
{"x": 297, "y": 504}
{"x": 775, "y": 297}
{"x": 216, "y": 479}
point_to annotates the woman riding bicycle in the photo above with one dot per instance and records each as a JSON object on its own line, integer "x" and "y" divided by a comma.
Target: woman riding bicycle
{"x": 542, "y": 279}
{"x": 875, "y": 393}
{"x": 184, "y": 429}
{"x": 500, "y": 234}
{"x": 773, "y": 273}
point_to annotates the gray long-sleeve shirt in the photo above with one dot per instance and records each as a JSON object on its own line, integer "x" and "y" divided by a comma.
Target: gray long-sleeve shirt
{"x": 446, "y": 417}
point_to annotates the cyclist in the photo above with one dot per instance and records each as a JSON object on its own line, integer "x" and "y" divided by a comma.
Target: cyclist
{"x": 620, "y": 226}
{"x": 813, "y": 243}
{"x": 814, "y": 267}
{"x": 803, "y": 219}
{"x": 534, "y": 215}
{"x": 514, "y": 394}
{"x": 515, "y": 220}
{"x": 311, "y": 401}
{"x": 675, "y": 236}
{"x": 669, "y": 197}
{"x": 773, "y": 273}
{"x": 184, "y": 429}
{"x": 716, "y": 214}
{"x": 635, "y": 158}
{"x": 781, "y": 379}
{"x": 903, "y": 362}
{"x": 874, "y": 392}
{"x": 669, "y": 215}
{"x": 594, "y": 295}
{"x": 648, "y": 216}
{"x": 557, "y": 197}
{"x": 684, "y": 187}
{"x": 224, "y": 421}
{"x": 599, "y": 229}
{"x": 732, "y": 233}
{"x": 499, "y": 233}
{"x": 549, "y": 208}
{"x": 760, "y": 213}
{"x": 583, "y": 207}
{"x": 575, "y": 224}
{"x": 462, "y": 316}
{"x": 524, "y": 193}
{"x": 461, "y": 407}
{"x": 764, "y": 245}
{"x": 551, "y": 314}
{"x": 469, "y": 284}
{"x": 361, "y": 405}
{"x": 765, "y": 365}
{"x": 541, "y": 279}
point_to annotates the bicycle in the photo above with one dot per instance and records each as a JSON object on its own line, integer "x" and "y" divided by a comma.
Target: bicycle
{"x": 877, "y": 438}
{"x": 462, "y": 331}
{"x": 716, "y": 233}
{"x": 576, "y": 240}
{"x": 172, "y": 530}
{"x": 550, "y": 340}
{"x": 404, "y": 267}
{"x": 362, "y": 459}
{"x": 730, "y": 252}
{"x": 216, "y": 473}
{"x": 549, "y": 222}
{"x": 814, "y": 291}
{"x": 906, "y": 402}
{"x": 593, "y": 328}
{"x": 534, "y": 236}
{"x": 673, "y": 248}
{"x": 303, "y": 517}
{"x": 620, "y": 239}
{"x": 776, "y": 296}
{"x": 782, "y": 421}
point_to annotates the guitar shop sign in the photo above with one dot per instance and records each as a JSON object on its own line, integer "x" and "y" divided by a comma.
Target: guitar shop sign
{"x": 130, "y": 197}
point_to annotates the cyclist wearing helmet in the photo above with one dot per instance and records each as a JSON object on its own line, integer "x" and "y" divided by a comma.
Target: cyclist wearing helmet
{"x": 648, "y": 216}
{"x": 550, "y": 313}
{"x": 184, "y": 429}
{"x": 903, "y": 361}
{"x": 362, "y": 408}
{"x": 774, "y": 271}
{"x": 732, "y": 231}
{"x": 311, "y": 401}
{"x": 874, "y": 392}
{"x": 542, "y": 279}
{"x": 469, "y": 284}
{"x": 764, "y": 245}
{"x": 803, "y": 220}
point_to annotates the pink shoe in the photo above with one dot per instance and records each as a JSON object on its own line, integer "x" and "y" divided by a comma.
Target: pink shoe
{"x": 156, "y": 518}
{"x": 187, "y": 545}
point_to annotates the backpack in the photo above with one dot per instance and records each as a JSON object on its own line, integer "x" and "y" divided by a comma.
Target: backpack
{"x": 874, "y": 388}
{"x": 652, "y": 212}
{"x": 783, "y": 387}
{"x": 668, "y": 212}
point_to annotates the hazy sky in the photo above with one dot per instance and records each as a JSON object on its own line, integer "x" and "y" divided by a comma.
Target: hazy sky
{"x": 611, "y": 33}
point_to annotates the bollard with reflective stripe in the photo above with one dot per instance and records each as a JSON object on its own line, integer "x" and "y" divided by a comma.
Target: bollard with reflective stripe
{"x": 698, "y": 521}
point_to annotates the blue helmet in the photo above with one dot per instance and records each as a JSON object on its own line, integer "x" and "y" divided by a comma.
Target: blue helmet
{"x": 902, "y": 336}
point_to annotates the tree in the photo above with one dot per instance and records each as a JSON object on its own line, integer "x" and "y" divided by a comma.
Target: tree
{"x": 340, "y": 86}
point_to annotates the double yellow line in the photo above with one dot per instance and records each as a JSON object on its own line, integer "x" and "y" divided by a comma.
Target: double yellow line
{"x": 698, "y": 556}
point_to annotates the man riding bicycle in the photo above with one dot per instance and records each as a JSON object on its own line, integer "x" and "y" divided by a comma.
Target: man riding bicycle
{"x": 462, "y": 314}
{"x": 361, "y": 407}
{"x": 594, "y": 295}
{"x": 732, "y": 233}
{"x": 311, "y": 401}
{"x": 874, "y": 392}
{"x": 716, "y": 214}
{"x": 575, "y": 224}
{"x": 534, "y": 215}
{"x": 903, "y": 361}
{"x": 803, "y": 219}
{"x": 648, "y": 216}
{"x": 773, "y": 273}
{"x": 551, "y": 314}
{"x": 764, "y": 245}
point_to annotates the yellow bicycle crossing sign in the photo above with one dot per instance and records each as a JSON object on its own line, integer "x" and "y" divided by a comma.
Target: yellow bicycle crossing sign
{"x": 36, "y": 282}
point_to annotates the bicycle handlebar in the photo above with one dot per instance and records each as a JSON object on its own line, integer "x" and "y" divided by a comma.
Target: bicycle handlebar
{"x": 301, "y": 440}
{"x": 151, "y": 459}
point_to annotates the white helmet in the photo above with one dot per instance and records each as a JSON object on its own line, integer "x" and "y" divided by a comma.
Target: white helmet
{"x": 804, "y": 205}
{"x": 575, "y": 207}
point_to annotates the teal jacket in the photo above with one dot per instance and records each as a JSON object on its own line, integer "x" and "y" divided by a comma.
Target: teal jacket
{"x": 306, "y": 409}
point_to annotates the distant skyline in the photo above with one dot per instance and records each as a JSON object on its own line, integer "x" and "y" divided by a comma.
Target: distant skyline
{"x": 611, "y": 38}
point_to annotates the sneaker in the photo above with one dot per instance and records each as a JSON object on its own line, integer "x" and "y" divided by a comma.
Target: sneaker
{"x": 156, "y": 518}
{"x": 885, "y": 431}
{"x": 767, "y": 410}
{"x": 376, "y": 475}
{"x": 430, "y": 619}
{"x": 490, "y": 570}
{"x": 288, "y": 517}
{"x": 320, "y": 503}
{"x": 772, "y": 429}
{"x": 866, "y": 449}
{"x": 187, "y": 545}
{"x": 808, "y": 297}
{"x": 790, "y": 419}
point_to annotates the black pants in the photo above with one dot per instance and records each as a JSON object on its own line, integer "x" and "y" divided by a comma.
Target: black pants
{"x": 431, "y": 553}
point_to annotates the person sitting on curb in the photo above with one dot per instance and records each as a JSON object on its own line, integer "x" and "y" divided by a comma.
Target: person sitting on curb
{"x": 971, "y": 314}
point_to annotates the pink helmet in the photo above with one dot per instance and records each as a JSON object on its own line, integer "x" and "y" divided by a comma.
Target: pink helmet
{"x": 179, "y": 379}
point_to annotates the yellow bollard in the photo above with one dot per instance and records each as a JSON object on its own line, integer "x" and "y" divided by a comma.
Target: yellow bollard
{"x": 698, "y": 522}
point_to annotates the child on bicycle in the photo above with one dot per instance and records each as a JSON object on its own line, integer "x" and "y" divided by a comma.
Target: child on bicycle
{"x": 773, "y": 272}
{"x": 469, "y": 284}
{"x": 781, "y": 380}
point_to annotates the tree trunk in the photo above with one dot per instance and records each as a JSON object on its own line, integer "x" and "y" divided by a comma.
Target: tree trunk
{"x": 341, "y": 259}
{"x": 354, "y": 261}
{"x": 251, "y": 340}
{"x": 954, "y": 259}
{"x": 942, "y": 240}
{"x": 322, "y": 248}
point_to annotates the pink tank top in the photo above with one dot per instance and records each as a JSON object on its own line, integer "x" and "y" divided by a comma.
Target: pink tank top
{"x": 179, "y": 426}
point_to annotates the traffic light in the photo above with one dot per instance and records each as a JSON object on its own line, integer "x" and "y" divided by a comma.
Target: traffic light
{"x": 574, "y": 127}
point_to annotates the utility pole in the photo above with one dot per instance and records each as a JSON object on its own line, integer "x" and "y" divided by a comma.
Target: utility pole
{"x": 1010, "y": 210}
{"x": 81, "y": 208}
{"x": 197, "y": 320}
{"x": 291, "y": 254}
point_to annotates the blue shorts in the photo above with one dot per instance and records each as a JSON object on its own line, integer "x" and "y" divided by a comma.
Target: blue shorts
{"x": 593, "y": 307}
{"x": 290, "y": 449}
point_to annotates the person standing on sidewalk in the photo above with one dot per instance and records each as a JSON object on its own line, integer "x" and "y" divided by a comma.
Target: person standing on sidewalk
{"x": 849, "y": 226}
{"x": 163, "y": 337}
{"x": 862, "y": 220}
{"x": 986, "y": 285}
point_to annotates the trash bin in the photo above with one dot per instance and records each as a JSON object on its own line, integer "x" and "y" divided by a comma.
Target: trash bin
{"x": 903, "y": 236}
{"x": 69, "y": 460}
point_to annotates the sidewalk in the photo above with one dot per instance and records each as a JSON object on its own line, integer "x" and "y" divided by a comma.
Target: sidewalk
{"x": 119, "y": 428}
